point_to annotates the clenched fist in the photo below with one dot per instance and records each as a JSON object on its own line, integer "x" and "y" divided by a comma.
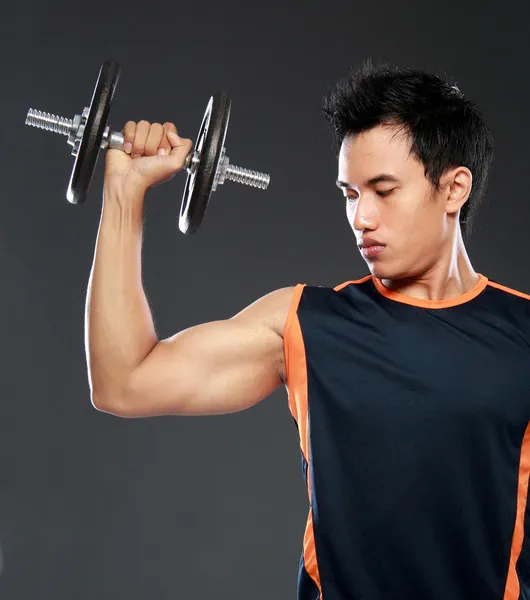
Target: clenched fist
{"x": 153, "y": 154}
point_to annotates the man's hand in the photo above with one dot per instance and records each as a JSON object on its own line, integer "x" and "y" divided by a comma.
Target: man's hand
{"x": 153, "y": 154}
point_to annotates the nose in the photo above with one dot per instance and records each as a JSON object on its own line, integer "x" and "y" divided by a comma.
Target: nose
{"x": 364, "y": 215}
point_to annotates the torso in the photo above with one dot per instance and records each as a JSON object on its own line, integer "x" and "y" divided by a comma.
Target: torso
{"x": 414, "y": 422}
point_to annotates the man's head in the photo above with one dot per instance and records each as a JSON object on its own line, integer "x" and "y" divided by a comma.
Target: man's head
{"x": 432, "y": 142}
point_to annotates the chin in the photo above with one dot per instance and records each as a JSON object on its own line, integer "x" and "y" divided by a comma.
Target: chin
{"x": 380, "y": 270}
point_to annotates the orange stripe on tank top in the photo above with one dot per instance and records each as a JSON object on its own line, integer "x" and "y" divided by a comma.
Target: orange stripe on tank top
{"x": 296, "y": 369}
{"x": 512, "y": 583}
{"x": 512, "y": 590}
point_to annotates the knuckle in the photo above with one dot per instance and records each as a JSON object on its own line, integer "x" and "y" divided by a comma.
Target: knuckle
{"x": 154, "y": 138}
{"x": 150, "y": 149}
{"x": 140, "y": 138}
{"x": 129, "y": 130}
{"x": 155, "y": 133}
{"x": 138, "y": 145}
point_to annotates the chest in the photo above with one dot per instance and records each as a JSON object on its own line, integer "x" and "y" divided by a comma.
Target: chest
{"x": 426, "y": 370}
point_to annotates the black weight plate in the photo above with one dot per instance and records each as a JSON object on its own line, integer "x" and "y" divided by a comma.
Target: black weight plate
{"x": 86, "y": 159}
{"x": 209, "y": 145}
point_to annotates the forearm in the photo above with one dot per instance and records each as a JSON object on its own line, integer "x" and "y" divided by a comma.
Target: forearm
{"x": 119, "y": 328}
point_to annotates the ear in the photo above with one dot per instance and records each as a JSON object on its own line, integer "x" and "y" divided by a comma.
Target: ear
{"x": 456, "y": 184}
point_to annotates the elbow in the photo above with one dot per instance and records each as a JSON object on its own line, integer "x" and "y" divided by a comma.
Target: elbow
{"x": 111, "y": 402}
{"x": 104, "y": 403}
{"x": 116, "y": 403}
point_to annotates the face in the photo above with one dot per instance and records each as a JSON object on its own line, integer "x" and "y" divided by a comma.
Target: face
{"x": 390, "y": 201}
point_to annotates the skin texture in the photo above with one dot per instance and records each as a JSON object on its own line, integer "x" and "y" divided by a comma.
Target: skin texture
{"x": 227, "y": 366}
{"x": 212, "y": 368}
{"x": 424, "y": 255}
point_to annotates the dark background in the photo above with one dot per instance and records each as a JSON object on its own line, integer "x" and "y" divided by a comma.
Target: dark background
{"x": 94, "y": 506}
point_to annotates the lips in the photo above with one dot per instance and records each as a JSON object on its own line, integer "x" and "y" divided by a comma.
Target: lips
{"x": 371, "y": 251}
{"x": 367, "y": 242}
{"x": 370, "y": 247}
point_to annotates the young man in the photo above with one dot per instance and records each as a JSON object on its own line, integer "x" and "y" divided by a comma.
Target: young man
{"x": 410, "y": 387}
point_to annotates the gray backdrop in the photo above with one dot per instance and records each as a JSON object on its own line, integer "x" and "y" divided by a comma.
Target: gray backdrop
{"x": 93, "y": 506}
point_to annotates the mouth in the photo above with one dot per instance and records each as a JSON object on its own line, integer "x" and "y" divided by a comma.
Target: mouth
{"x": 371, "y": 251}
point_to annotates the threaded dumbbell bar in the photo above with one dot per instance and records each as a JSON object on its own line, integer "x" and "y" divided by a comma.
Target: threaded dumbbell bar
{"x": 74, "y": 128}
{"x": 207, "y": 165}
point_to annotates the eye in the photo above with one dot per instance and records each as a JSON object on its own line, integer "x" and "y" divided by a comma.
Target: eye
{"x": 385, "y": 193}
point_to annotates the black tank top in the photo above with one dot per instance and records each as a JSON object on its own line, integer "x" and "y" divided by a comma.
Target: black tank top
{"x": 413, "y": 420}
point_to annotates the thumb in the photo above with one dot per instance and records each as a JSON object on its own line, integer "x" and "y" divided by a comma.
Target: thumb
{"x": 159, "y": 169}
{"x": 180, "y": 147}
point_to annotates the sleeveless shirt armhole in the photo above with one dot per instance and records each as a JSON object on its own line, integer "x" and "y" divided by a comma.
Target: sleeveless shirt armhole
{"x": 291, "y": 315}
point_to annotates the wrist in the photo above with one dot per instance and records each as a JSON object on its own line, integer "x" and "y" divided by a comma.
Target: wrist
{"x": 126, "y": 196}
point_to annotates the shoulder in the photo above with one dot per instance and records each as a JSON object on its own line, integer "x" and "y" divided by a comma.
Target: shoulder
{"x": 272, "y": 309}
{"x": 501, "y": 289}
{"x": 275, "y": 309}
{"x": 508, "y": 302}
{"x": 503, "y": 298}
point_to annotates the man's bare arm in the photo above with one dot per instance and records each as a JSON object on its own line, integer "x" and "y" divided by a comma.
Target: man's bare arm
{"x": 213, "y": 368}
{"x": 217, "y": 367}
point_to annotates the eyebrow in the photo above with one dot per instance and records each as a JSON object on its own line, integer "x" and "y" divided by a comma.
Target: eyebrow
{"x": 377, "y": 179}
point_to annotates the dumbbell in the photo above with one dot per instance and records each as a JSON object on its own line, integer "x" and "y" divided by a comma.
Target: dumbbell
{"x": 207, "y": 164}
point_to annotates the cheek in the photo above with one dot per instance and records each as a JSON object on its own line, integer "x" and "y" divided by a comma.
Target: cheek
{"x": 417, "y": 210}
{"x": 425, "y": 225}
{"x": 350, "y": 212}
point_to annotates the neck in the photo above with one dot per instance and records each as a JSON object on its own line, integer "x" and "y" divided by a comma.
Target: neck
{"x": 451, "y": 276}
